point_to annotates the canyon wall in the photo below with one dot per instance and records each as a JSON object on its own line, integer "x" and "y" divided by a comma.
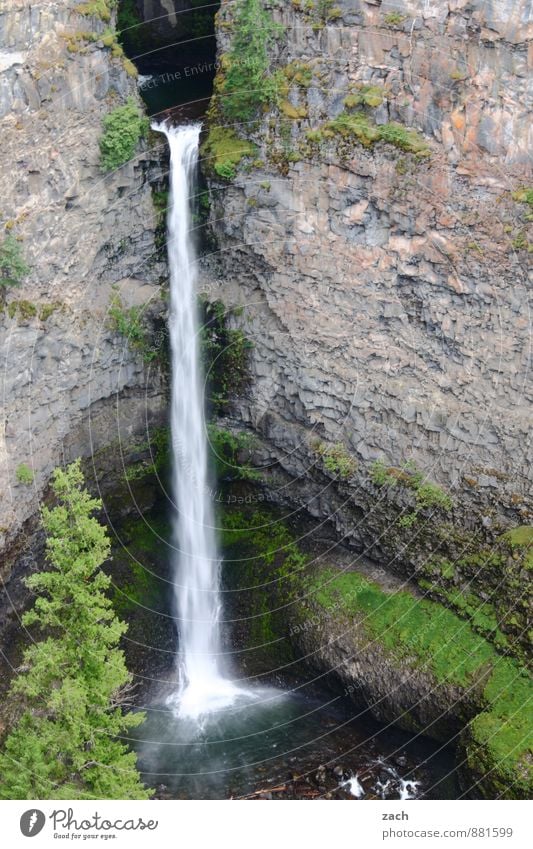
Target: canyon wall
{"x": 71, "y": 385}
{"x": 374, "y": 245}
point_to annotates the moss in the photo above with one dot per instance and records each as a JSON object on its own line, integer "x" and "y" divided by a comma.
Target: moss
{"x": 425, "y": 633}
{"x": 394, "y": 19}
{"x": 524, "y": 195}
{"x": 24, "y": 474}
{"x": 97, "y": 9}
{"x": 521, "y": 538}
{"x": 223, "y": 150}
{"x": 25, "y": 310}
{"x": 427, "y": 495}
{"x": 365, "y": 95}
{"x": 129, "y": 323}
{"x": 408, "y": 140}
{"x": 130, "y": 68}
{"x": 47, "y": 310}
{"x": 296, "y": 113}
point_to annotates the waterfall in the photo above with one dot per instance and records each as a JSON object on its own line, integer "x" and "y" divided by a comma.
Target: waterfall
{"x": 202, "y": 686}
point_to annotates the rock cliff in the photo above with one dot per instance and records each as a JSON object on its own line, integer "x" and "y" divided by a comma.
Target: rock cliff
{"x": 71, "y": 385}
{"x": 373, "y": 232}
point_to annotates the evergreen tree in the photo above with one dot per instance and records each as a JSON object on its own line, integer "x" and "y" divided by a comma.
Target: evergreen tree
{"x": 73, "y": 683}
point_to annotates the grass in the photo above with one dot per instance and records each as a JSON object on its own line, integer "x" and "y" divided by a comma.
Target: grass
{"x": 423, "y": 632}
{"x": 223, "y": 150}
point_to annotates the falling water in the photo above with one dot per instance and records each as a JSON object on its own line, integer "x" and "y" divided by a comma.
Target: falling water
{"x": 202, "y": 686}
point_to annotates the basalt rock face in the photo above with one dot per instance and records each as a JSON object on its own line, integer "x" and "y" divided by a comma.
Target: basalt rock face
{"x": 383, "y": 283}
{"x": 71, "y": 386}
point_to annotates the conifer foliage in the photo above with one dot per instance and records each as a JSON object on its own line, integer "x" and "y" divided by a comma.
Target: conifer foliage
{"x": 73, "y": 685}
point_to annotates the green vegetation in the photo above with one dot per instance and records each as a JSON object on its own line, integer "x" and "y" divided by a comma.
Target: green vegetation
{"x": 97, "y": 9}
{"x": 427, "y": 495}
{"x": 24, "y": 474}
{"x": 264, "y": 537}
{"x": 428, "y": 634}
{"x": 225, "y": 352}
{"x": 318, "y": 12}
{"x": 364, "y": 95}
{"x": 525, "y": 195}
{"x": 25, "y": 310}
{"x": 231, "y": 452}
{"x": 394, "y": 19}
{"x": 158, "y": 456}
{"x": 129, "y": 323}
{"x": 223, "y": 150}
{"x": 521, "y": 538}
{"x": 74, "y": 685}
{"x": 123, "y": 128}
{"x": 359, "y": 126}
{"x": 336, "y": 459}
{"x": 13, "y": 268}
{"x": 245, "y": 85}
{"x": 48, "y": 309}
{"x": 130, "y": 25}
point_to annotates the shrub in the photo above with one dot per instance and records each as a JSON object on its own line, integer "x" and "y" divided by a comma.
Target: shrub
{"x": 13, "y": 269}
{"x": 129, "y": 323}
{"x": 337, "y": 460}
{"x": 24, "y": 474}
{"x": 123, "y": 128}
{"x": 245, "y": 83}
{"x": 228, "y": 450}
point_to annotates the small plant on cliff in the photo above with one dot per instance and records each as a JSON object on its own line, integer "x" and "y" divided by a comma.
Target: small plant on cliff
{"x": 427, "y": 494}
{"x": 24, "y": 474}
{"x": 123, "y": 128}
{"x": 66, "y": 743}
{"x": 337, "y": 460}
{"x": 97, "y": 9}
{"x": 128, "y": 321}
{"x": 13, "y": 268}
{"x": 245, "y": 83}
{"x": 225, "y": 351}
{"x": 231, "y": 454}
{"x": 223, "y": 150}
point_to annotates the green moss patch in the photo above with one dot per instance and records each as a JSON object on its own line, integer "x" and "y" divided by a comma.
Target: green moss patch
{"x": 426, "y": 633}
{"x": 360, "y": 127}
{"x": 223, "y": 150}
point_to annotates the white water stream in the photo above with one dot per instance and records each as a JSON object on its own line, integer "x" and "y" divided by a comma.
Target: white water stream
{"x": 202, "y": 685}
